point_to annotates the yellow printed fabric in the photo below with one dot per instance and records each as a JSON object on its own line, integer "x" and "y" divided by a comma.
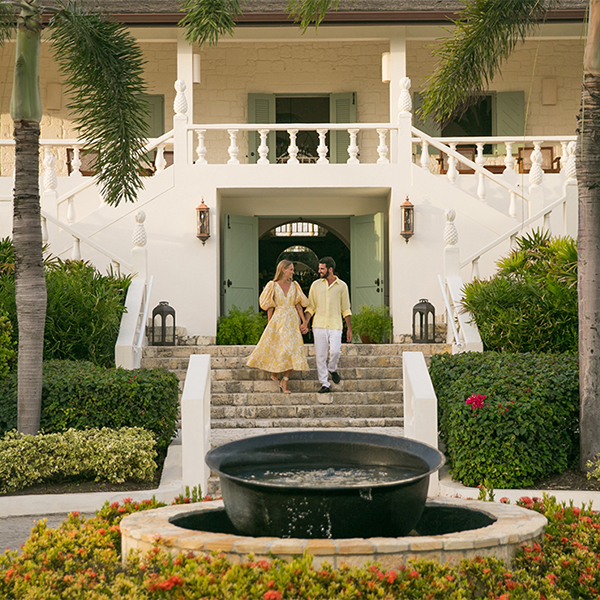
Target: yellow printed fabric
{"x": 281, "y": 347}
{"x": 328, "y": 303}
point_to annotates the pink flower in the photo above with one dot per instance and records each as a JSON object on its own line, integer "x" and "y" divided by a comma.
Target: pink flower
{"x": 476, "y": 401}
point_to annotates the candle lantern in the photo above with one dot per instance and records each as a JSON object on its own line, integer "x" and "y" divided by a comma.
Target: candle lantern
{"x": 423, "y": 322}
{"x": 407, "y": 218}
{"x": 203, "y": 222}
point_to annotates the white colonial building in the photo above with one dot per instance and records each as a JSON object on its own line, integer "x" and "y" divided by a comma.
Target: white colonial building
{"x": 305, "y": 145}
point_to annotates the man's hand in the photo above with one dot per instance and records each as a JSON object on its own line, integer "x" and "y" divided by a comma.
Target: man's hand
{"x": 349, "y": 335}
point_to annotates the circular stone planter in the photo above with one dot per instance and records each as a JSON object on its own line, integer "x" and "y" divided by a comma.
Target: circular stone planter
{"x": 510, "y": 527}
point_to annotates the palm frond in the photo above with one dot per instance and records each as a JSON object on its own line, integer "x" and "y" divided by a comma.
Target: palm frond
{"x": 8, "y": 19}
{"x": 306, "y": 12}
{"x": 207, "y": 20}
{"x": 103, "y": 67}
{"x": 485, "y": 34}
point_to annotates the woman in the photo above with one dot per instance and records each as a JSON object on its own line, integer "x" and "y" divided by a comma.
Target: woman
{"x": 280, "y": 348}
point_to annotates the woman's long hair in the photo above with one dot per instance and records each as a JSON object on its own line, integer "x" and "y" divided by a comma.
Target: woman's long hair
{"x": 283, "y": 264}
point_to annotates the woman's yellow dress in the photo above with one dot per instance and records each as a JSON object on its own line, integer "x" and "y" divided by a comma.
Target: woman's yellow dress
{"x": 281, "y": 347}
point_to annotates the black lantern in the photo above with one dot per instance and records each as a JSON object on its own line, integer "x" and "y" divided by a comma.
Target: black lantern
{"x": 163, "y": 335}
{"x": 423, "y": 322}
{"x": 407, "y": 218}
{"x": 203, "y": 222}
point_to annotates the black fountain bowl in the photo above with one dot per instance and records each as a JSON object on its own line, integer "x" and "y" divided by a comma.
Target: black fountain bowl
{"x": 263, "y": 508}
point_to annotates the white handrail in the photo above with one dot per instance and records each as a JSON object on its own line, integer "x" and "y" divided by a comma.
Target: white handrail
{"x": 87, "y": 240}
{"x": 462, "y": 159}
{"x": 449, "y": 313}
{"x": 300, "y": 126}
{"x": 516, "y": 229}
{"x": 142, "y": 331}
{"x": 501, "y": 139}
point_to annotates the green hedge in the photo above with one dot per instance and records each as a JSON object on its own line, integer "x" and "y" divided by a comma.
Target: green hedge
{"x": 240, "y": 327}
{"x": 81, "y": 395}
{"x": 524, "y": 426}
{"x": 125, "y": 454}
{"x": 83, "y": 312}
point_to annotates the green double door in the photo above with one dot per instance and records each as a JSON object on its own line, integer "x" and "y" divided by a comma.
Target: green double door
{"x": 239, "y": 280}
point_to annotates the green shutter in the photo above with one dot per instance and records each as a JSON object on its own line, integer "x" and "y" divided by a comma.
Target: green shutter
{"x": 510, "y": 114}
{"x": 342, "y": 109}
{"x": 261, "y": 109}
{"x": 428, "y": 126}
{"x": 156, "y": 116}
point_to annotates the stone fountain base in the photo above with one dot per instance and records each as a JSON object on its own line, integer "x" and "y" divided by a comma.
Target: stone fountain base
{"x": 488, "y": 529}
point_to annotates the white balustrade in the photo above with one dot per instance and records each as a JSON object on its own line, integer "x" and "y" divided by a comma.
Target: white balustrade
{"x": 263, "y": 149}
{"x": 322, "y": 147}
{"x": 509, "y": 160}
{"x": 76, "y": 162}
{"x": 481, "y": 176}
{"x": 76, "y": 252}
{"x": 536, "y": 173}
{"x": 475, "y": 268}
{"x": 563, "y": 157}
{"x": 160, "y": 163}
{"x": 424, "y": 153}
{"x": 382, "y": 148}
{"x": 512, "y": 207}
{"x": 201, "y": 148}
{"x": 353, "y": 148}
{"x": 233, "y": 147}
{"x": 71, "y": 210}
{"x": 292, "y": 148}
{"x": 452, "y": 173}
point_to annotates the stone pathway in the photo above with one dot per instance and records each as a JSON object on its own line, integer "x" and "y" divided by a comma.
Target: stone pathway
{"x": 14, "y": 531}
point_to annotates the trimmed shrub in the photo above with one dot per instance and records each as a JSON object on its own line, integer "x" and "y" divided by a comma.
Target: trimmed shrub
{"x": 8, "y": 354}
{"x": 125, "y": 454}
{"x": 507, "y": 419}
{"x": 374, "y": 322}
{"x": 83, "y": 312}
{"x": 81, "y": 395}
{"x": 530, "y": 305}
{"x": 241, "y": 327}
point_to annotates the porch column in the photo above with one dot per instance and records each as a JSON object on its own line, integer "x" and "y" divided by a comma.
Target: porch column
{"x": 397, "y": 72}
{"x": 185, "y": 72}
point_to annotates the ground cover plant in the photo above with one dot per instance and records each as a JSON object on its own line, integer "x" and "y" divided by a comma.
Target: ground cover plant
{"x": 115, "y": 456}
{"x": 81, "y": 395}
{"x": 81, "y": 559}
{"x": 530, "y": 304}
{"x": 84, "y": 307}
{"x": 507, "y": 419}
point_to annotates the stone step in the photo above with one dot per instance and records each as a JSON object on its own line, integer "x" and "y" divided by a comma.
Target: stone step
{"x": 346, "y": 411}
{"x": 306, "y": 385}
{"x": 307, "y": 398}
{"x": 300, "y": 423}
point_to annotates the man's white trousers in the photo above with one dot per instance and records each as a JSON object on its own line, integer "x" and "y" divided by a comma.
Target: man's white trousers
{"x": 327, "y": 340}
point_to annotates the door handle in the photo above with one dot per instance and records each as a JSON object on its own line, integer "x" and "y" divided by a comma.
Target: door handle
{"x": 377, "y": 281}
{"x": 228, "y": 283}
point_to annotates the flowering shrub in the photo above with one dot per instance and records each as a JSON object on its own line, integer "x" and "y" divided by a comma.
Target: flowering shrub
{"x": 81, "y": 560}
{"x": 125, "y": 454}
{"x": 507, "y": 419}
{"x": 8, "y": 354}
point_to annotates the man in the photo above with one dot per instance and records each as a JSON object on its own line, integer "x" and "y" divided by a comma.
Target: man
{"x": 328, "y": 302}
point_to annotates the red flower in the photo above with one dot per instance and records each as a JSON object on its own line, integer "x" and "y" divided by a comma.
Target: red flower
{"x": 391, "y": 576}
{"x": 504, "y": 500}
{"x": 476, "y": 401}
{"x": 272, "y": 595}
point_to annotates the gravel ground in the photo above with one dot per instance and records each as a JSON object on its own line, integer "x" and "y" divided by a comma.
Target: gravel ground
{"x": 14, "y": 531}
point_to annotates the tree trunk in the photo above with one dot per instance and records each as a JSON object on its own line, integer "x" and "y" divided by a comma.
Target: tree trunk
{"x": 588, "y": 245}
{"x": 30, "y": 283}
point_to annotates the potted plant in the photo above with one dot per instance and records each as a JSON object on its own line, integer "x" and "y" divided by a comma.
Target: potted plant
{"x": 373, "y": 324}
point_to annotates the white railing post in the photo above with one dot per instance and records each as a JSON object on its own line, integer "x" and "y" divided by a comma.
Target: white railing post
{"x": 76, "y": 162}
{"x": 160, "y": 163}
{"x": 382, "y": 148}
{"x": 139, "y": 253}
{"x": 233, "y": 149}
{"x": 424, "y": 154}
{"x": 353, "y": 148}
{"x": 404, "y": 123}
{"x": 76, "y": 252}
{"x": 452, "y": 173}
{"x": 481, "y": 183}
{"x": 536, "y": 177}
{"x": 195, "y": 422}
{"x": 509, "y": 160}
{"x": 263, "y": 149}
{"x": 570, "y": 214}
{"x": 322, "y": 147}
{"x": 420, "y": 407}
{"x": 201, "y": 148}
{"x": 293, "y": 148}
{"x": 180, "y": 121}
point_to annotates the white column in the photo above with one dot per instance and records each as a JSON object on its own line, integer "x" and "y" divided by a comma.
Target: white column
{"x": 397, "y": 73}
{"x": 185, "y": 68}
{"x": 180, "y": 121}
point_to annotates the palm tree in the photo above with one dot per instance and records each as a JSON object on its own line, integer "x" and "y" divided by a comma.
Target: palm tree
{"x": 485, "y": 34}
{"x": 103, "y": 67}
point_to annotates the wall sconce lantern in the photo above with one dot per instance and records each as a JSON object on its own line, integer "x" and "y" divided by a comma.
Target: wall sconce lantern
{"x": 407, "y": 217}
{"x": 161, "y": 334}
{"x": 203, "y": 222}
{"x": 386, "y": 67}
{"x": 196, "y": 61}
{"x": 423, "y": 322}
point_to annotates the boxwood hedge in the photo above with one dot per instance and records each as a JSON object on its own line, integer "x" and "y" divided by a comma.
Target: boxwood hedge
{"x": 507, "y": 419}
{"x": 80, "y": 395}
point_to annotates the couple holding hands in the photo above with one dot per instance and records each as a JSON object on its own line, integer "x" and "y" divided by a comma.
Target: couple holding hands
{"x": 281, "y": 348}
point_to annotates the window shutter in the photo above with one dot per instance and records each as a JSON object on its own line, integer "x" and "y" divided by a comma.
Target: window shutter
{"x": 261, "y": 109}
{"x": 342, "y": 109}
{"x": 510, "y": 113}
{"x": 428, "y": 126}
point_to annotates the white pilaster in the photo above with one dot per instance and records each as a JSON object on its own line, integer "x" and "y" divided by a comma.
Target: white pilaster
{"x": 397, "y": 73}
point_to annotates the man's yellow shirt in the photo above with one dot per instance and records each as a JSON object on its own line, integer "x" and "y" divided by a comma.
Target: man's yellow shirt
{"x": 328, "y": 303}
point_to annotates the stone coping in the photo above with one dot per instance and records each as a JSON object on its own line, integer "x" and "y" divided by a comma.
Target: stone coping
{"x": 514, "y": 526}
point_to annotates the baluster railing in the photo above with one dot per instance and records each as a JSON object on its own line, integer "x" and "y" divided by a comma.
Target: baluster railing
{"x": 76, "y": 252}
{"x": 76, "y": 162}
{"x": 481, "y": 177}
{"x": 201, "y": 148}
{"x": 382, "y": 148}
{"x": 292, "y": 148}
{"x": 322, "y": 147}
{"x": 353, "y": 148}
{"x": 233, "y": 147}
{"x": 536, "y": 173}
{"x": 509, "y": 159}
{"x": 263, "y": 149}
{"x": 71, "y": 210}
{"x": 452, "y": 173}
